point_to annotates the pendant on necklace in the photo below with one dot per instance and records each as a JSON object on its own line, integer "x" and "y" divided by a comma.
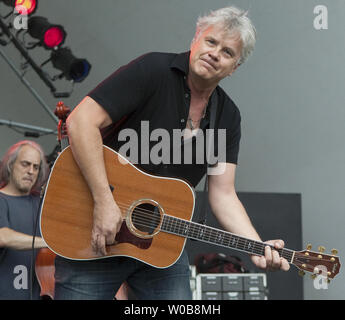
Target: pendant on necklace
{"x": 191, "y": 123}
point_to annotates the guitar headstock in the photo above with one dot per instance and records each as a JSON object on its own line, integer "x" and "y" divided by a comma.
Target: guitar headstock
{"x": 62, "y": 112}
{"x": 317, "y": 263}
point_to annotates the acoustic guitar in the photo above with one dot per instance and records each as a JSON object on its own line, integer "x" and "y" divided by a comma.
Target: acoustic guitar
{"x": 157, "y": 218}
{"x": 45, "y": 260}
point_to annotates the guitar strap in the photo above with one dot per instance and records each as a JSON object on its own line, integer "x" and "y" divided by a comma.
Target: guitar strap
{"x": 214, "y": 111}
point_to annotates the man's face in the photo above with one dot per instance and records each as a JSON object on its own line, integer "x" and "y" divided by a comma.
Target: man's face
{"x": 215, "y": 54}
{"x": 25, "y": 169}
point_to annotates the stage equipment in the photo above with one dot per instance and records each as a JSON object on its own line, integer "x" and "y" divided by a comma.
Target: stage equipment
{"x": 17, "y": 30}
{"x": 72, "y": 68}
{"x": 29, "y": 130}
{"x": 23, "y": 7}
{"x": 49, "y": 35}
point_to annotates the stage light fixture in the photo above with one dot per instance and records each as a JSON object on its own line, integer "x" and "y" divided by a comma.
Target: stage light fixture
{"x": 26, "y": 7}
{"x": 23, "y": 7}
{"x": 73, "y": 68}
{"x": 49, "y": 35}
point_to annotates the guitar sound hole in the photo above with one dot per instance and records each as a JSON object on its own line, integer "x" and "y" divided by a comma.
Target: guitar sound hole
{"x": 146, "y": 218}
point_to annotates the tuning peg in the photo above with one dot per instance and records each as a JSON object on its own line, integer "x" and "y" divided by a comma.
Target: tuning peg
{"x": 301, "y": 273}
{"x": 313, "y": 276}
{"x": 334, "y": 252}
{"x": 321, "y": 249}
{"x": 309, "y": 246}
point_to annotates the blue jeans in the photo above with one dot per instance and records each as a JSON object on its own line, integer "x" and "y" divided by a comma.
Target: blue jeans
{"x": 100, "y": 279}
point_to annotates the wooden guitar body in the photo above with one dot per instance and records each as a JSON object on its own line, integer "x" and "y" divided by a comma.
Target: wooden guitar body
{"x": 67, "y": 211}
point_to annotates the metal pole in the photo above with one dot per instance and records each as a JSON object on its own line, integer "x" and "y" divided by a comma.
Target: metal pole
{"x": 11, "y": 123}
{"x": 28, "y": 85}
{"x": 26, "y": 55}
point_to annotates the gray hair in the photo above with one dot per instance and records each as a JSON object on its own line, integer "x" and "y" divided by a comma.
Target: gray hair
{"x": 11, "y": 156}
{"x": 233, "y": 20}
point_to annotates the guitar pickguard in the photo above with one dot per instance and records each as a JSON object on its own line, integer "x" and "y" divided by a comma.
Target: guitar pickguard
{"x": 125, "y": 236}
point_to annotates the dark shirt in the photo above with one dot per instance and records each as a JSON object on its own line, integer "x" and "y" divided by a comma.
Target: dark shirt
{"x": 151, "y": 93}
{"x": 18, "y": 213}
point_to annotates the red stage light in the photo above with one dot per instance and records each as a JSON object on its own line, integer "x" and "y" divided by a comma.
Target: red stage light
{"x": 25, "y": 7}
{"x": 53, "y": 37}
{"x": 49, "y": 35}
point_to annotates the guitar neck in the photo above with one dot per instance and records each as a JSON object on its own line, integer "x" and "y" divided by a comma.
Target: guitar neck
{"x": 200, "y": 232}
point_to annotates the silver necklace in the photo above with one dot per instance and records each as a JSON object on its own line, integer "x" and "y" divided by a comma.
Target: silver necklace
{"x": 190, "y": 120}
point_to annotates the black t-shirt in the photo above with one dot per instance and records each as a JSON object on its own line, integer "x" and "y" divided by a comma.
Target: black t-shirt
{"x": 18, "y": 213}
{"x": 150, "y": 97}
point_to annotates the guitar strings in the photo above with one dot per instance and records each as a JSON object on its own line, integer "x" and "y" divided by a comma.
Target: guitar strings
{"x": 150, "y": 218}
{"x": 308, "y": 267}
{"x": 240, "y": 243}
{"x": 153, "y": 219}
{"x": 157, "y": 220}
{"x": 142, "y": 220}
{"x": 289, "y": 257}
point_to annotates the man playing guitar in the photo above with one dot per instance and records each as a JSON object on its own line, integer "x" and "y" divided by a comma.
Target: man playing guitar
{"x": 169, "y": 91}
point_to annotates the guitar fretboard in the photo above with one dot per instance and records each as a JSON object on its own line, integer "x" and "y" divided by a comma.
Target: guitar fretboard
{"x": 197, "y": 231}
